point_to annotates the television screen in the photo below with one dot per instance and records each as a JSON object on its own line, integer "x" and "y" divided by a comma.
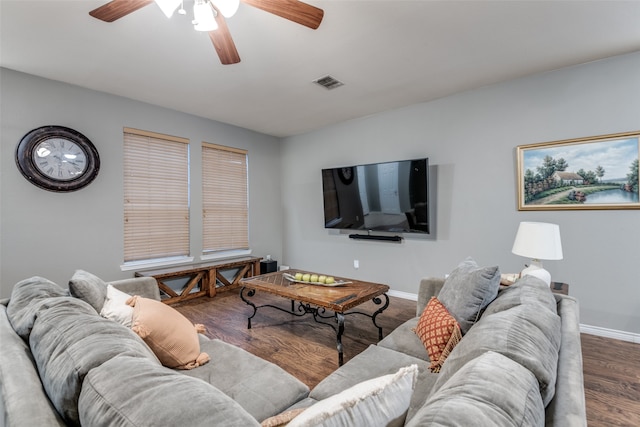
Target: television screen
{"x": 391, "y": 196}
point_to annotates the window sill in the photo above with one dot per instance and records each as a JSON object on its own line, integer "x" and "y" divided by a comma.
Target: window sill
{"x": 214, "y": 256}
{"x": 164, "y": 262}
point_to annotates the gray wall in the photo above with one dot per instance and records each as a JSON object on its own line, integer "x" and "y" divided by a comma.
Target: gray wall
{"x": 52, "y": 234}
{"x": 471, "y": 138}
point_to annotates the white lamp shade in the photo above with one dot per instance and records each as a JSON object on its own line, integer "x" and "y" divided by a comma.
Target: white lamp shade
{"x": 168, "y": 6}
{"x": 538, "y": 240}
{"x": 227, "y": 8}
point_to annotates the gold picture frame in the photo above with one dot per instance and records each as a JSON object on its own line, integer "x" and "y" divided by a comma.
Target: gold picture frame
{"x": 597, "y": 172}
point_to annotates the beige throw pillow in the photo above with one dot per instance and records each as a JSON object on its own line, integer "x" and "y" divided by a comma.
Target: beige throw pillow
{"x": 379, "y": 402}
{"x": 171, "y": 336}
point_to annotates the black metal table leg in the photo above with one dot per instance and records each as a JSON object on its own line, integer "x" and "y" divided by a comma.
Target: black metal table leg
{"x": 318, "y": 315}
{"x": 340, "y": 319}
{"x": 377, "y": 301}
{"x": 251, "y": 293}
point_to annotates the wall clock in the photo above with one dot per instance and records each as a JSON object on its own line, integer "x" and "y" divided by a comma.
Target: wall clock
{"x": 57, "y": 158}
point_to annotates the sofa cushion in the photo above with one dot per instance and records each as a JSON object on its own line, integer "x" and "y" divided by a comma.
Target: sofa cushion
{"x": 248, "y": 379}
{"x": 527, "y": 290}
{"x": 89, "y": 288}
{"x": 127, "y": 392}
{"x": 525, "y": 334}
{"x": 376, "y": 361}
{"x": 171, "y": 336}
{"x": 438, "y": 331}
{"x": 404, "y": 339}
{"x": 467, "y": 290}
{"x": 490, "y": 390}
{"x": 27, "y": 298}
{"x": 68, "y": 340}
{"x": 381, "y": 401}
{"x": 116, "y": 308}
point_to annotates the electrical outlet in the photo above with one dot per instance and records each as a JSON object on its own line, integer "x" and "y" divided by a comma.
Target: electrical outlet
{"x": 356, "y": 264}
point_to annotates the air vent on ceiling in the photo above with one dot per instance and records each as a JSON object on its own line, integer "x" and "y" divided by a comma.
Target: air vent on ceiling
{"x": 328, "y": 82}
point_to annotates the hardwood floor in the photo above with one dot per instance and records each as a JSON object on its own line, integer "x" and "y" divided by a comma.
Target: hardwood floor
{"x": 307, "y": 350}
{"x": 612, "y": 381}
{"x": 299, "y": 345}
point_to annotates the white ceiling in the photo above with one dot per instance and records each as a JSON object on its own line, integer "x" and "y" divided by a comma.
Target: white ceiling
{"x": 389, "y": 54}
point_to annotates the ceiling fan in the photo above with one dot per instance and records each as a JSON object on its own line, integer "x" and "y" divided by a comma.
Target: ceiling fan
{"x": 210, "y": 16}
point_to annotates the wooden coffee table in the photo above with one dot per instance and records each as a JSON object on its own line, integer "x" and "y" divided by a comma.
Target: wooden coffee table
{"x": 317, "y": 300}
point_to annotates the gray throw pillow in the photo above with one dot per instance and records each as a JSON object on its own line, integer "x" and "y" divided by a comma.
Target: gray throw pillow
{"x": 27, "y": 298}
{"x": 69, "y": 339}
{"x": 491, "y": 390}
{"x": 89, "y": 288}
{"x": 467, "y": 290}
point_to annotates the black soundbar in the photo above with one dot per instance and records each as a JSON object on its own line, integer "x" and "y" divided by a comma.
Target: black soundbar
{"x": 372, "y": 237}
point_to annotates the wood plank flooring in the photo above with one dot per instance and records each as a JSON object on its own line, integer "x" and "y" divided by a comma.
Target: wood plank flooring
{"x": 299, "y": 345}
{"x": 612, "y": 381}
{"x": 307, "y": 350}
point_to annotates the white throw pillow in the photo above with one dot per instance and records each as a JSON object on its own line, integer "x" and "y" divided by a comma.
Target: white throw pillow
{"x": 381, "y": 401}
{"x": 115, "y": 307}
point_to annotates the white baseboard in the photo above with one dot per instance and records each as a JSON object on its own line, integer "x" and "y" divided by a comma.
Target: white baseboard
{"x": 586, "y": 329}
{"x": 610, "y": 333}
{"x": 403, "y": 295}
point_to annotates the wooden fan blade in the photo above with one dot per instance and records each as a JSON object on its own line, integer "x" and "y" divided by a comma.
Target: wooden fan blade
{"x": 293, "y": 10}
{"x": 116, "y": 9}
{"x": 222, "y": 41}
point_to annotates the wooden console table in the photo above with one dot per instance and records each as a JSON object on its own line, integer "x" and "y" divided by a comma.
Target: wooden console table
{"x": 202, "y": 278}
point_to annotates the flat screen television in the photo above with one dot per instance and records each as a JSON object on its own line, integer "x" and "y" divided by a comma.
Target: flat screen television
{"x": 389, "y": 197}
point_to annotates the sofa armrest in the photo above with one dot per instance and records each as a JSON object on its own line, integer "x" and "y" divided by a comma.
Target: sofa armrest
{"x": 23, "y": 401}
{"x": 568, "y": 405}
{"x": 429, "y": 287}
{"x": 146, "y": 287}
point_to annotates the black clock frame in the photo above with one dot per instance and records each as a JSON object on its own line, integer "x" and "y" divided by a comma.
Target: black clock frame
{"x": 26, "y": 165}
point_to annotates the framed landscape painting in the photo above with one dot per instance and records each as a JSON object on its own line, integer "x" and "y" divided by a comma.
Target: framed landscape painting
{"x": 598, "y": 172}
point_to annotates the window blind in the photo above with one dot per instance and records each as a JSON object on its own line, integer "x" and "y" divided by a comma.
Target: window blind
{"x": 156, "y": 196}
{"x": 225, "y": 213}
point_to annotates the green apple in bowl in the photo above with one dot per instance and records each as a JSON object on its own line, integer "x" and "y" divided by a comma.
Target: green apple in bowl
{"x": 322, "y": 278}
{"x": 329, "y": 280}
{"x": 298, "y": 276}
{"x": 306, "y": 277}
{"x": 314, "y": 278}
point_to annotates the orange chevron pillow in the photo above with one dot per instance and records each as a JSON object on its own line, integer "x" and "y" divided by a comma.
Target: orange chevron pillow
{"x": 439, "y": 332}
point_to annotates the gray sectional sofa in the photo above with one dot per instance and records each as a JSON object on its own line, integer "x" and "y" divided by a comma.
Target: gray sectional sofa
{"x": 520, "y": 364}
{"x": 62, "y": 364}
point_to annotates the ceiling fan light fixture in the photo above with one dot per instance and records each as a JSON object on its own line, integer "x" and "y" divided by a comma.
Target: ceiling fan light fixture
{"x": 181, "y": 11}
{"x": 227, "y": 8}
{"x": 204, "y": 18}
{"x": 168, "y": 6}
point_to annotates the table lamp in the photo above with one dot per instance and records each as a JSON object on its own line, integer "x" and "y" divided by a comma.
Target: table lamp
{"x": 538, "y": 241}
